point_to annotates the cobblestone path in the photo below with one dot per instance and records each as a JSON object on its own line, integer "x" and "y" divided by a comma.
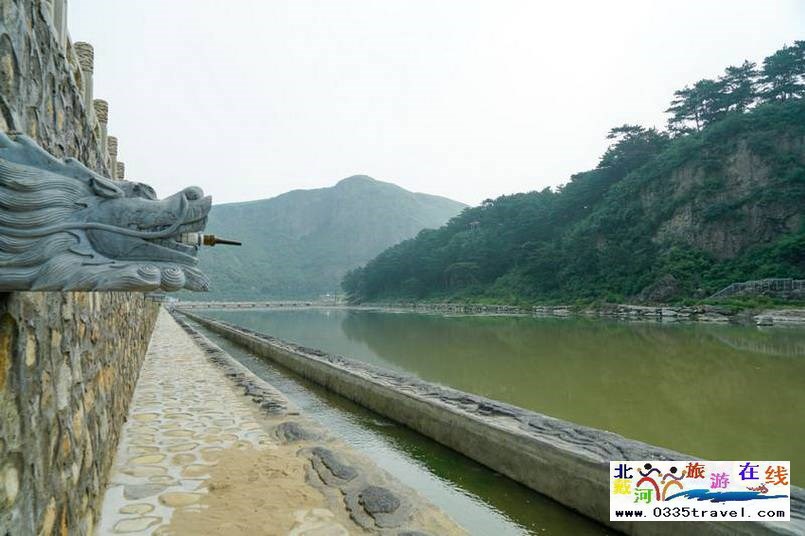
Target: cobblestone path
{"x": 184, "y": 417}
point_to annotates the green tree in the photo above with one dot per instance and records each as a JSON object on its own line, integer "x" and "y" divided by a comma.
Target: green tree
{"x": 739, "y": 87}
{"x": 695, "y": 107}
{"x": 353, "y": 284}
{"x": 783, "y": 73}
{"x": 633, "y": 146}
{"x": 600, "y": 235}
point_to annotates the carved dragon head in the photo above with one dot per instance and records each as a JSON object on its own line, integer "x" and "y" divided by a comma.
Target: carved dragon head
{"x": 64, "y": 227}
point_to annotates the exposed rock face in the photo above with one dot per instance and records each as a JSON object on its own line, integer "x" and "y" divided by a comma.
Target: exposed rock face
{"x": 662, "y": 290}
{"x": 740, "y": 215}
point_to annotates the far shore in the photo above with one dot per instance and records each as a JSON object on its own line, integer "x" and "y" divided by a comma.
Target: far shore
{"x": 724, "y": 314}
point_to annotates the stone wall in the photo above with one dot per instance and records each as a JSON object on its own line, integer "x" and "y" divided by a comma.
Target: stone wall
{"x": 46, "y": 85}
{"x": 68, "y": 361}
{"x": 68, "y": 366}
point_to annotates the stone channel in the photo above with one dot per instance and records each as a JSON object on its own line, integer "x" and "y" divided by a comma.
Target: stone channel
{"x": 562, "y": 460}
{"x": 209, "y": 448}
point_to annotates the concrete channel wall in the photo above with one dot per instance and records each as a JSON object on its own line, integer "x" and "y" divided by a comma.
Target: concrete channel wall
{"x": 562, "y": 460}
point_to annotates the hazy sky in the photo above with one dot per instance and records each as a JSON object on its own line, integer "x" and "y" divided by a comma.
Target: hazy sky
{"x": 467, "y": 99}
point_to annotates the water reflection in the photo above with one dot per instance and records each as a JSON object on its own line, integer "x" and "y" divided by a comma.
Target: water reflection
{"x": 481, "y": 500}
{"x": 719, "y": 392}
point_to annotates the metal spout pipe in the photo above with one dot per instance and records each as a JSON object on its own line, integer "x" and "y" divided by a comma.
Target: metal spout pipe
{"x": 200, "y": 239}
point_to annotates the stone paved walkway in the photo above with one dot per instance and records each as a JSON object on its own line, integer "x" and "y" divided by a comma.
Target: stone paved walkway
{"x": 184, "y": 415}
{"x": 211, "y": 449}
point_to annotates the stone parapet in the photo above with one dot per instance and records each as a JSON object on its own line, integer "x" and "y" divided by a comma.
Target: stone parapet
{"x": 101, "y": 110}
{"x": 45, "y": 83}
{"x": 86, "y": 56}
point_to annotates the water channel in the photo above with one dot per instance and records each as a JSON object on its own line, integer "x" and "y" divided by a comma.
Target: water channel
{"x": 714, "y": 391}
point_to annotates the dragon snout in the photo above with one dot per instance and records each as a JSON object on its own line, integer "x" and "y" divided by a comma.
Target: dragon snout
{"x": 193, "y": 193}
{"x": 197, "y": 205}
{"x": 198, "y": 208}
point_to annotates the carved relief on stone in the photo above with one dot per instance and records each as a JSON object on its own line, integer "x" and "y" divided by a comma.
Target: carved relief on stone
{"x": 64, "y": 227}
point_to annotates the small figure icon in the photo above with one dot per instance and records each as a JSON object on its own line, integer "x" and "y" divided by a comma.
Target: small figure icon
{"x": 673, "y": 480}
{"x": 647, "y": 478}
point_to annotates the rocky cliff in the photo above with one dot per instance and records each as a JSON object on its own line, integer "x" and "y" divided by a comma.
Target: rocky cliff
{"x": 661, "y": 219}
{"x": 725, "y": 212}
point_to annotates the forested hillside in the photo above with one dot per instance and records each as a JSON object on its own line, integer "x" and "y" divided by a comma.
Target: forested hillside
{"x": 666, "y": 215}
{"x": 301, "y": 243}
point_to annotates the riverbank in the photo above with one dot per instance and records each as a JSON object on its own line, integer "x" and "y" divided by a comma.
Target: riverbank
{"x": 558, "y": 458}
{"x": 695, "y": 313}
{"x": 661, "y": 313}
{"x": 211, "y": 448}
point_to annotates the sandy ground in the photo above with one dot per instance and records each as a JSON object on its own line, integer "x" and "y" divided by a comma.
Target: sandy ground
{"x": 195, "y": 457}
{"x": 254, "y": 491}
{"x": 198, "y": 457}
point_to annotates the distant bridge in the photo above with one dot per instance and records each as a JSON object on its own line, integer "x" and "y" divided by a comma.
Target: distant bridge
{"x": 786, "y": 288}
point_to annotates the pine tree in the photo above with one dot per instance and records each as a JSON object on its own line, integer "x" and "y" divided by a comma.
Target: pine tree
{"x": 739, "y": 87}
{"x": 783, "y": 73}
{"x": 695, "y": 107}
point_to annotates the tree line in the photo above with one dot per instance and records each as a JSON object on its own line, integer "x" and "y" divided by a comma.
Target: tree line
{"x": 594, "y": 236}
{"x": 779, "y": 78}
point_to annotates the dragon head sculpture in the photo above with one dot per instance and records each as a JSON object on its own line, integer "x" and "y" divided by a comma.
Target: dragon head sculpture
{"x": 64, "y": 227}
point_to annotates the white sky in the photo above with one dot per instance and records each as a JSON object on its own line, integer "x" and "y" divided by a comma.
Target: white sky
{"x": 467, "y": 99}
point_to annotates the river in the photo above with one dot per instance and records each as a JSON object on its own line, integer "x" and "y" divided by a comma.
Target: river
{"x": 712, "y": 391}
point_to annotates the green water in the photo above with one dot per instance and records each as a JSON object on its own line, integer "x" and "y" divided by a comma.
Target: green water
{"x": 711, "y": 391}
{"x": 482, "y": 501}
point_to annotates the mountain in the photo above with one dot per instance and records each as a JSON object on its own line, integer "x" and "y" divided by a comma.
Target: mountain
{"x": 301, "y": 243}
{"x": 665, "y": 217}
